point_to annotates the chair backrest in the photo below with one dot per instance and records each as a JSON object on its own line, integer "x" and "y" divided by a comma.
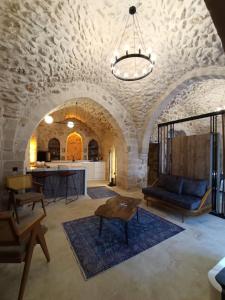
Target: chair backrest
{"x": 8, "y": 233}
{"x": 19, "y": 182}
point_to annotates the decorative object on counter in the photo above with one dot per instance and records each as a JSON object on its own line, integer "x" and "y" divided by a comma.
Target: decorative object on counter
{"x": 96, "y": 254}
{"x": 17, "y": 242}
{"x": 17, "y": 197}
{"x": 132, "y": 60}
{"x": 100, "y": 192}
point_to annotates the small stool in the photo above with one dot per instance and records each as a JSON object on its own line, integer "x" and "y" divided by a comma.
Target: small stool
{"x": 45, "y": 178}
{"x": 67, "y": 182}
{"x": 215, "y": 276}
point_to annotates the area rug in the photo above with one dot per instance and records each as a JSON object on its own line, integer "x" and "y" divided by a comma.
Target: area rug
{"x": 96, "y": 254}
{"x": 100, "y": 192}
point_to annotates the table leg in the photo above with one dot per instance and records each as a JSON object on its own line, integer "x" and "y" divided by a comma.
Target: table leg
{"x": 100, "y": 226}
{"x": 126, "y": 231}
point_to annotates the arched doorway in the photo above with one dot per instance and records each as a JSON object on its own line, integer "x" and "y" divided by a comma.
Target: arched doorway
{"x": 74, "y": 147}
{"x": 54, "y": 149}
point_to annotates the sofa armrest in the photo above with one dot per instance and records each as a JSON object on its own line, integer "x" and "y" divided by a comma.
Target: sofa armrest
{"x": 154, "y": 182}
{"x": 205, "y": 198}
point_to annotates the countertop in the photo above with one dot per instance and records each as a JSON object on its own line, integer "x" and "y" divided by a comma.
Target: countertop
{"x": 60, "y": 168}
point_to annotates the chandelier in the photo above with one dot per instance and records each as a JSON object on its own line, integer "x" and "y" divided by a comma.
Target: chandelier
{"x": 132, "y": 61}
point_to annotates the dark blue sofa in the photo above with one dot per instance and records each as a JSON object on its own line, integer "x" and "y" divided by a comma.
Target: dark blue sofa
{"x": 188, "y": 196}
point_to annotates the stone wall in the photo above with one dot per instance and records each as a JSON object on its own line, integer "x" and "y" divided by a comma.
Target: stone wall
{"x": 46, "y": 132}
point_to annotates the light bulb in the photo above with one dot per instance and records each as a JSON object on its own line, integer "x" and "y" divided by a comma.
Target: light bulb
{"x": 126, "y": 48}
{"x": 149, "y": 51}
{"x": 144, "y": 71}
{"x": 112, "y": 61}
{"x": 116, "y": 53}
{"x": 49, "y": 119}
{"x": 153, "y": 57}
{"x": 70, "y": 124}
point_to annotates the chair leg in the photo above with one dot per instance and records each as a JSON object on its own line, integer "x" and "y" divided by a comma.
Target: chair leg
{"x": 42, "y": 242}
{"x": 43, "y": 206}
{"x": 16, "y": 213}
{"x": 33, "y": 205}
{"x": 27, "y": 265}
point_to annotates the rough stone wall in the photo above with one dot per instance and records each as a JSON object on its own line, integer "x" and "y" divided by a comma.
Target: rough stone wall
{"x": 52, "y": 51}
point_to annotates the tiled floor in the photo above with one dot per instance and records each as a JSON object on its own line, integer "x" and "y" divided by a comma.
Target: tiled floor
{"x": 175, "y": 269}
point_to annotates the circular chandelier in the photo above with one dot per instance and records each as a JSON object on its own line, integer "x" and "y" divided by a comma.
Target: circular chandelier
{"x": 132, "y": 62}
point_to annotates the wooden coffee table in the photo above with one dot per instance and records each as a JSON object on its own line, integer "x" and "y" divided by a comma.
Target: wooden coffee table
{"x": 119, "y": 207}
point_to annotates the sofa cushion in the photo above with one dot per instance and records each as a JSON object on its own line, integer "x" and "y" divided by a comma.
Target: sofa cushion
{"x": 194, "y": 187}
{"x": 157, "y": 192}
{"x": 171, "y": 183}
{"x": 183, "y": 201}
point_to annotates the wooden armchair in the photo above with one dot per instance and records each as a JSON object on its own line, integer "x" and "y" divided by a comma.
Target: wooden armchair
{"x": 17, "y": 186}
{"x": 17, "y": 241}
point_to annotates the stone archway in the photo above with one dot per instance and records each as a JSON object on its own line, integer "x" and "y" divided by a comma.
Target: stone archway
{"x": 24, "y": 127}
{"x": 188, "y": 79}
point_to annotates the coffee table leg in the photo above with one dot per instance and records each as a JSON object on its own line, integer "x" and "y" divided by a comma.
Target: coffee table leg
{"x": 126, "y": 231}
{"x": 100, "y": 226}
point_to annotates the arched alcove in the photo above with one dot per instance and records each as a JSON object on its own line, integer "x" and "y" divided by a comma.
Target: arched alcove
{"x": 128, "y": 161}
{"x": 74, "y": 147}
{"x": 93, "y": 150}
{"x": 54, "y": 149}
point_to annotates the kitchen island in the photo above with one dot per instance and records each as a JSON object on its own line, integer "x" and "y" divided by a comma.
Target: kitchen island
{"x": 54, "y": 179}
{"x": 95, "y": 170}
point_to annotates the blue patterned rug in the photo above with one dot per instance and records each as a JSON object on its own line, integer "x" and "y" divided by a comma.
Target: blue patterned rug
{"x": 100, "y": 192}
{"x": 96, "y": 254}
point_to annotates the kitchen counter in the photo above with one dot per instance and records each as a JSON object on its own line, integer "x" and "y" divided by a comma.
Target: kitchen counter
{"x": 55, "y": 183}
{"x": 95, "y": 170}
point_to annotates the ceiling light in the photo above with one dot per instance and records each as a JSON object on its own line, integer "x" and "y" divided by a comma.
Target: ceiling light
{"x": 70, "y": 124}
{"x": 49, "y": 119}
{"x": 130, "y": 61}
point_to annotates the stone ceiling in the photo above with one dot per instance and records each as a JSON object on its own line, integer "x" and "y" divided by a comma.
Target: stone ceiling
{"x": 47, "y": 42}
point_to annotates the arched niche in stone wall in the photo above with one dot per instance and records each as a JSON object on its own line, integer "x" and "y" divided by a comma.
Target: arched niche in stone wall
{"x": 54, "y": 149}
{"x": 93, "y": 150}
{"x": 74, "y": 147}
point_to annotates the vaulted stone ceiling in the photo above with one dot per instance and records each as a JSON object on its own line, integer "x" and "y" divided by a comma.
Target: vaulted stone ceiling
{"x": 90, "y": 113}
{"x": 44, "y": 43}
{"x": 198, "y": 98}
